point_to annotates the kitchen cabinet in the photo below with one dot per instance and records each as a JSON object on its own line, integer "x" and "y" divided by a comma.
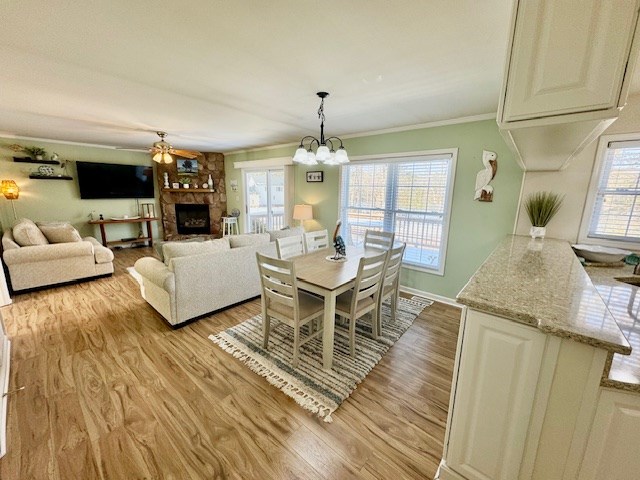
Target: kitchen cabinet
{"x": 567, "y": 76}
{"x": 612, "y": 450}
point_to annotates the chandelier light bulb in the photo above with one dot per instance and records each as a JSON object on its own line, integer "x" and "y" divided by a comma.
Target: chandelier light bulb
{"x": 311, "y": 157}
{"x": 341, "y": 156}
{"x": 323, "y": 154}
{"x": 301, "y": 155}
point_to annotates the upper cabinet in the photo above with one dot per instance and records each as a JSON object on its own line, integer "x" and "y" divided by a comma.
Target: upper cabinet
{"x": 568, "y": 73}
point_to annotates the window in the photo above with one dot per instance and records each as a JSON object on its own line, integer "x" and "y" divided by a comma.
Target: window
{"x": 616, "y": 202}
{"x": 409, "y": 195}
{"x": 265, "y": 199}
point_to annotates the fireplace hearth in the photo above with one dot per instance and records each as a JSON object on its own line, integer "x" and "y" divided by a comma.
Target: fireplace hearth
{"x": 192, "y": 219}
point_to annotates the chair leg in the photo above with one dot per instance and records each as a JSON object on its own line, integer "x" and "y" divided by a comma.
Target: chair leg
{"x": 375, "y": 323}
{"x": 394, "y": 306}
{"x": 352, "y": 336}
{"x": 296, "y": 345}
{"x": 266, "y": 326}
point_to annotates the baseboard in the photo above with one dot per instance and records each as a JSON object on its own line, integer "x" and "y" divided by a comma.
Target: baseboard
{"x": 430, "y": 296}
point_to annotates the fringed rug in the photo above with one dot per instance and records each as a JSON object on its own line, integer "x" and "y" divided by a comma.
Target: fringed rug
{"x": 313, "y": 388}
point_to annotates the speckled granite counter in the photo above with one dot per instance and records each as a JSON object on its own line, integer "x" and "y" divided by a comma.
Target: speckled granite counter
{"x": 541, "y": 283}
{"x": 624, "y": 305}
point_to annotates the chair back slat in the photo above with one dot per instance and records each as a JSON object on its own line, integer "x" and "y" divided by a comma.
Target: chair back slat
{"x": 369, "y": 278}
{"x": 393, "y": 264}
{"x": 290, "y": 246}
{"x": 278, "y": 281}
{"x": 316, "y": 240}
{"x": 378, "y": 239}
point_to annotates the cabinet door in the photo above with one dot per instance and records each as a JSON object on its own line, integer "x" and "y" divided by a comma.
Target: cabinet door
{"x": 499, "y": 368}
{"x": 612, "y": 449}
{"x": 568, "y": 56}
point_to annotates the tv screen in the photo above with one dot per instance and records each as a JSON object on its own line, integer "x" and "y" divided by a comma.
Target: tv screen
{"x": 112, "y": 180}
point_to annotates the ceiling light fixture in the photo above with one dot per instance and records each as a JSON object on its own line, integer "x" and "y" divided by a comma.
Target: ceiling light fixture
{"x": 324, "y": 154}
{"x": 162, "y": 149}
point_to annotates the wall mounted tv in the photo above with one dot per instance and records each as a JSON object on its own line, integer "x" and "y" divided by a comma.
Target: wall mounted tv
{"x": 112, "y": 180}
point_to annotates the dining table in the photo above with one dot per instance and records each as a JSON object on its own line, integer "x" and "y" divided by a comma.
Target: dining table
{"x": 317, "y": 274}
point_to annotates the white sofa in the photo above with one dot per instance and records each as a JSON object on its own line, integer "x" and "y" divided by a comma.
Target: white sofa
{"x": 200, "y": 277}
{"x": 44, "y": 264}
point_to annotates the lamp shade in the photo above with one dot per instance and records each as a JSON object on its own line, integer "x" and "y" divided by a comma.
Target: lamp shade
{"x": 301, "y": 155}
{"x": 323, "y": 154}
{"x": 10, "y": 189}
{"x": 302, "y": 212}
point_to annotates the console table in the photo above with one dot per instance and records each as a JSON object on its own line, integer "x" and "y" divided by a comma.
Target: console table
{"x": 146, "y": 220}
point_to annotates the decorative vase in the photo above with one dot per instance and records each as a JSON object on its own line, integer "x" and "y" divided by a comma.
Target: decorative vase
{"x": 39, "y": 157}
{"x": 210, "y": 181}
{"x": 185, "y": 185}
{"x": 538, "y": 232}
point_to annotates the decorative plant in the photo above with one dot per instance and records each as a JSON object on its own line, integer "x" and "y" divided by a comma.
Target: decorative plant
{"x": 35, "y": 151}
{"x": 542, "y": 206}
{"x": 184, "y": 180}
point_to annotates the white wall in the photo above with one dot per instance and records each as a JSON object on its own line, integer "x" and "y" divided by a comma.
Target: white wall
{"x": 573, "y": 181}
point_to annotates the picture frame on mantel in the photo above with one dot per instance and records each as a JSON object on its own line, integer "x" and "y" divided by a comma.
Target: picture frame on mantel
{"x": 187, "y": 166}
{"x": 317, "y": 176}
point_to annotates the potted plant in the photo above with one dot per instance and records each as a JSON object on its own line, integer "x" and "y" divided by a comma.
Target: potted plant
{"x": 541, "y": 207}
{"x": 185, "y": 182}
{"x": 36, "y": 153}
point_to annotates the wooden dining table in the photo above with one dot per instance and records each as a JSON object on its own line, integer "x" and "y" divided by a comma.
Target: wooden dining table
{"x": 316, "y": 274}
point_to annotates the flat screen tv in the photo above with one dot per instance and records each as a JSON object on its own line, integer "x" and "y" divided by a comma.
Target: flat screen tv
{"x": 112, "y": 180}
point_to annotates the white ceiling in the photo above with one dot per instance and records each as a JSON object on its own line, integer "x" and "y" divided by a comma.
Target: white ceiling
{"x": 220, "y": 75}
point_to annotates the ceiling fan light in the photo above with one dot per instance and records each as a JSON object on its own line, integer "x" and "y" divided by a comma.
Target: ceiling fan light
{"x": 341, "y": 156}
{"x": 323, "y": 154}
{"x": 301, "y": 155}
{"x": 157, "y": 157}
{"x": 166, "y": 158}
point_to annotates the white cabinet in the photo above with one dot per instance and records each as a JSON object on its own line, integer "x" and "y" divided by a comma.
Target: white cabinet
{"x": 568, "y": 72}
{"x": 613, "y": 449}
{"x": 499, "y": 365}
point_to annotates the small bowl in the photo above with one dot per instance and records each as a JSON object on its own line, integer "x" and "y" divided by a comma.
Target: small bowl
{"x": 600, "y": 254}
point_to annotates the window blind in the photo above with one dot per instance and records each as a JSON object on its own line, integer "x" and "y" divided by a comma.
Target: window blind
{"x": 616, "y": 213}
{"x": 406, "y": 195}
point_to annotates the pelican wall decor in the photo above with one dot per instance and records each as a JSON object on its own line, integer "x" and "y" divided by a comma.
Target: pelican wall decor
{"x": 484, "y": 191}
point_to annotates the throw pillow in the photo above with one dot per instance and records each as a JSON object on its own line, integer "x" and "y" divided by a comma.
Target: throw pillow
{"x": 248, "y": 239}
{"x": 275, "y": 234}
{"x": 27, "y": 234}
{"x": 59, "y": 232}
{"x": 179, "y": 249}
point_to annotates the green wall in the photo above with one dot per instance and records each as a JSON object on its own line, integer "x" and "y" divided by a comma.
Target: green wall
{"x": 48, "y": 200}
{"x": 475, "y": 228}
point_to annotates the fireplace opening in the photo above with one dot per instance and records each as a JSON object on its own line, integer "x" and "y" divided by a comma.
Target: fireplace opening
{"x": 192, "y": 219}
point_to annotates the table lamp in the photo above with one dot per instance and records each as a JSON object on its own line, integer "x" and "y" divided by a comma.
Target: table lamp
{"x": 11, "y": 192}
{"x": 302, "y": 213}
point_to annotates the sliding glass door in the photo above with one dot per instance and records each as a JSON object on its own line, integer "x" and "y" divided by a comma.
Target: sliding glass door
{"x": 265, "y": 197}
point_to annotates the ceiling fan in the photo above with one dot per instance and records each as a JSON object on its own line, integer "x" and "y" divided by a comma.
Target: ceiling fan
{"x": 162, "y": 151}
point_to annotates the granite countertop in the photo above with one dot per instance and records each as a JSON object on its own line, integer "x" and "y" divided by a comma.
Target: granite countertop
{"x": 541, "y": 283}
{"x": 624, "y": 304}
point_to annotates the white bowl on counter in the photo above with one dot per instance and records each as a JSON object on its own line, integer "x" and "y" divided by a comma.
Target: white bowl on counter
{"x": 600, "y": 254}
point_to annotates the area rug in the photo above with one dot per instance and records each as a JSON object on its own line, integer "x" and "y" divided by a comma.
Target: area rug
{"x": 313, "y": 388}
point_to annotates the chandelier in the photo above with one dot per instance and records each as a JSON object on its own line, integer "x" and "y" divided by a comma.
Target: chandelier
{"x": 324, "y": 154}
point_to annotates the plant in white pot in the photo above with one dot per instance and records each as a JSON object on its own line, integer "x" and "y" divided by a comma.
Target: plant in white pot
{"x": 541, "y": 207}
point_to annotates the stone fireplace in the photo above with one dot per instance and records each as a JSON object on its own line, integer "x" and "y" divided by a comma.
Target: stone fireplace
{"x": 173, "y": 201}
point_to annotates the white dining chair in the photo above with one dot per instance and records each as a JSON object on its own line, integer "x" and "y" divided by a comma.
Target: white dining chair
{"x": 290, "y": 246}
{"x": 378, "y": 239}
{"x": 316, "y": 240}
{"x": 391, "y": 282}
{"x": 363, "y": 298}
{"x": 281, "y": 300}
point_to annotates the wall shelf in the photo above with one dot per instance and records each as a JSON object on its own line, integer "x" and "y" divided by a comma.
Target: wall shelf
{"x": 37, "y": 176}
{"x": 31, "y": 160}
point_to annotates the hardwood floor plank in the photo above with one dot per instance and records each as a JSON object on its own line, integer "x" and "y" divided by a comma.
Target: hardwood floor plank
{"x": 113, "y": 392}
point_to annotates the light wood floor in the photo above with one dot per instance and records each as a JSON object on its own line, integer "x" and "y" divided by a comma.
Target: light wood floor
{"x": 114, "y": 393}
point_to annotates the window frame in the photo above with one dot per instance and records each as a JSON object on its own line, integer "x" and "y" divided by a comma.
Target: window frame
{"x": 397, "y": 158}
{"x": 592, "y": 192}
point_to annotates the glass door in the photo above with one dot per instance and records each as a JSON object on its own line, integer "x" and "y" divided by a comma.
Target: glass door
{"x": 265, "y": 193}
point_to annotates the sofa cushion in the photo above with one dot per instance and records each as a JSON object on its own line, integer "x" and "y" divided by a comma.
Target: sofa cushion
{"x": 289, "y": 232}
{"x": 248, "y": 239}
{"x": 27, "y": 234}
{"x": 182, "y": 249}
{"x": 59, "y": 232}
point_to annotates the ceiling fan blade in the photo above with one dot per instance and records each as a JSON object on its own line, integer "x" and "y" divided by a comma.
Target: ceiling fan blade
{"x": 144, "y": 150}
{"x": 184, "y": 153}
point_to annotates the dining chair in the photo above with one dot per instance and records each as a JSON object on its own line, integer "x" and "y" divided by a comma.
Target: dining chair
{"x": 378, "y": 239}
{"x": 290, "y": 246}
{"x": 281, "y": 300}
{"x": 316, "y": 240}
{"x": 363, "y": 298}
{"x": 390, "y": 287}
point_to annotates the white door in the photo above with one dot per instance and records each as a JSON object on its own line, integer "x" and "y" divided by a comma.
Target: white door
{"x": 265, "y": 199}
